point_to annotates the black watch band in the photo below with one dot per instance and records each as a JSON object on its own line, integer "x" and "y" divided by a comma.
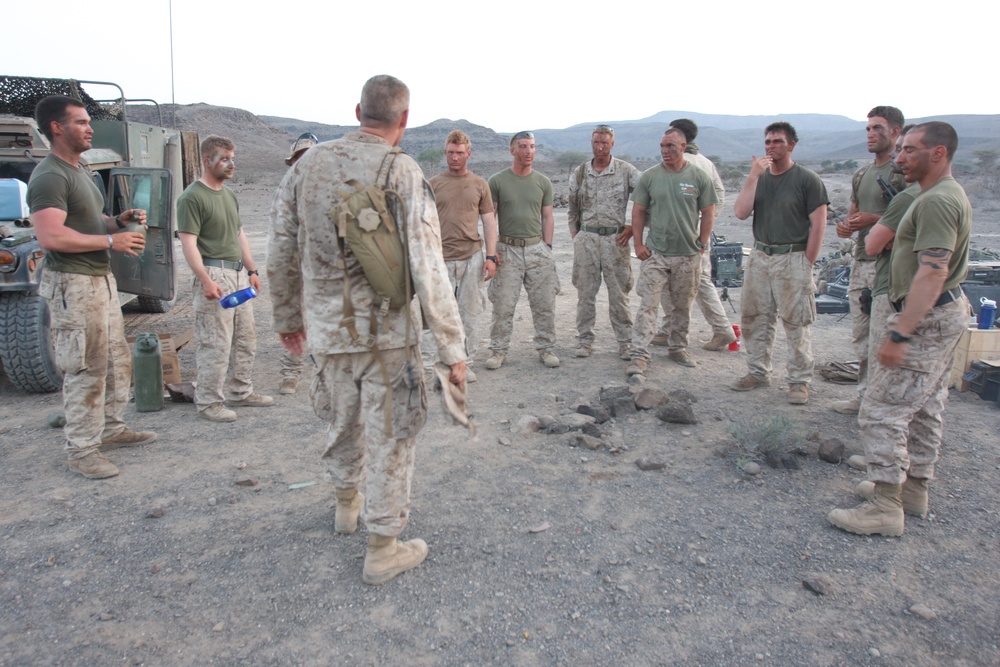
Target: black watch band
{"x": 118, "y": 221}
{"x": 897, "y": 337}
{"x": 492, "y": 258}
{"x": 253, "y": 272}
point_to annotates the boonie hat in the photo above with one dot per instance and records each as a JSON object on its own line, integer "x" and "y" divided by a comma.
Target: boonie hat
{"x": 301, "y": 145}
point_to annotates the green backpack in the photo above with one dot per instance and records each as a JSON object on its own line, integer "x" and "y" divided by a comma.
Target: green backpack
{"x": 366, "y": 227}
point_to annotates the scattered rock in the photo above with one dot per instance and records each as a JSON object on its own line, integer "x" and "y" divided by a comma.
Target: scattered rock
{"x": 819, "y": 584}
{"x": 610, "y": 393}
{"x": 650, "y": 397}
{"x": 636, "y": 380}
{"x": 831, "y": 450}
{"x": 593, "y": 430}
{"x": 677, "y": 414}
{"x": 154, "y": 513}
{"x": 575, "y": 420}
{"x": 525, "y": 424}
{"x": 789, "y": 460}
{"x": 649, "y": 464}
{"x": 858, "y": 462}
{"x": 586, "y": 441}
{"x": 219, "y": 627}
{"x": 545, "y": 421}
{"x": 541, "y": 528}
{"x": 503, "y": 441}
{"x": 246, "y": 481}
{"x": 105, "y": 617}
{"x": 682, "y": 396}
{"x": 212, "y": 501}
{"x": 556, "y": 429}
{"x": 751, "y": 468}
{"x": 701, "y": 561}
{"x": 57, "y": 419}
{"x": 874, "y": 652}
{"x": 622, "y": 407}
{"x": 154, "y": 569}
{"x": 599, "y": 412}
{"x": 924, "y": 612}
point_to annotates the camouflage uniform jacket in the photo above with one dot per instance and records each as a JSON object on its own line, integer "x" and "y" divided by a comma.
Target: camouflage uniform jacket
{"x": 599, "y": 199}
{"x": 304, "y": 256}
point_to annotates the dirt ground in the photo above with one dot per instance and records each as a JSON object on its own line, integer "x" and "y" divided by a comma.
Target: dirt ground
{"x": 541, "y": 553}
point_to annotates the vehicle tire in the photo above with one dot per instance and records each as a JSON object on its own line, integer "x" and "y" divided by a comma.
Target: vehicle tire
{"x": 149, "y": 304}
{"x": 26, "y": 343}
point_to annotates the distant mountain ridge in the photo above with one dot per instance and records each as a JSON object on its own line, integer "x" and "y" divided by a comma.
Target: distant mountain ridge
{"x": 821, "y": 136}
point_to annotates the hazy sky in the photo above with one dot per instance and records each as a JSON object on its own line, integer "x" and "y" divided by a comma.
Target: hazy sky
{"x": 523, "y": 65}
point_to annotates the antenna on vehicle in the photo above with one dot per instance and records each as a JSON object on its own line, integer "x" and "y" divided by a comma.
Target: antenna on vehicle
{"x": 173, "y": 101}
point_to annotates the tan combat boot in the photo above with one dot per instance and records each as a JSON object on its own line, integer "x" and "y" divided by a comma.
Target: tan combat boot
{"x": 882, "y": 515}
{"x": 349, "y": 504}
{"x": 388, "y": 557}
{"x": 913, "y": 495}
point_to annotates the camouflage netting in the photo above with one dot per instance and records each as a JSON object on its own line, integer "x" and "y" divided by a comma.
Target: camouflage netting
{"x": 20, "y": 94}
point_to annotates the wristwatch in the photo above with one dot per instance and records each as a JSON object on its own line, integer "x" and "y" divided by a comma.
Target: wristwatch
{"x": 701, "y": 245}
{"x": 118, "y": 221}
{"x": 253, "y": 272}
{"x": 492, "y": 258}
{"x": 897, "y": 337}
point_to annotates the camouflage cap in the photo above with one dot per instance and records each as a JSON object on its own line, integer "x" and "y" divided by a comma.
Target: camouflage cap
{"x": 301, "y": 145}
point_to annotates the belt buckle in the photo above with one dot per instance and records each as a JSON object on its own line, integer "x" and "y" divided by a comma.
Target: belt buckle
{"x": 768, "y": 250}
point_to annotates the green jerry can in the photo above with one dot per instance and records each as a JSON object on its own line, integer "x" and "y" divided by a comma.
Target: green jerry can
{"x": 147, "y": 364}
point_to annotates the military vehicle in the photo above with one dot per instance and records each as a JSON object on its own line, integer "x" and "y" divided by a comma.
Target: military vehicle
{"x": 135, "y": 164}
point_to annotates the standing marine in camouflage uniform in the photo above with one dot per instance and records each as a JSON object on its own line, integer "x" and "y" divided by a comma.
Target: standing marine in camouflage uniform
{"x": 788, "y": 203}
{"x": 463, "y": 198}
{"x": 868, "y": 203}
{"x": 293, "y": 364}
{"x": 88, "y": 331}
{"x": 679, "y": 200}
{"x": 522, "y": 199}
{"x": 356, "y": 383}
{"x": 217, "y": 250}
{"x": 598, "y": 197}
{"x": 901, "y": 415}
{"x": 707, "y": 297}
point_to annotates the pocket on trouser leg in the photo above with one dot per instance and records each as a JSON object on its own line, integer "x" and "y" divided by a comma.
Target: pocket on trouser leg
{"x": 409, "y": 398}
{"x": 70, "y": 350}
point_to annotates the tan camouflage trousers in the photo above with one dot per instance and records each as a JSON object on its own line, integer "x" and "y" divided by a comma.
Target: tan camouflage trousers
{"x": 291, "y": 365}
{"x": 862, "y": 277}
{"x": 901, "y": 416}
{"x": 349, "y": 393}
{"x": 779, "y": 286}
{"x": 596, "y": 257}
{"x": 225, "y": 339}
{"x": 675, "y": 277}
{"x": 708, "y": 300}
{"x": 533, "y": 267}
{"x": 88, "y": 334}
{"x": 878, "y": 328}
{"x": 466, "y": 278}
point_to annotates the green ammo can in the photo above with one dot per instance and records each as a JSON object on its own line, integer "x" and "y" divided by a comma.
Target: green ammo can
{"x": 147, "y": 364}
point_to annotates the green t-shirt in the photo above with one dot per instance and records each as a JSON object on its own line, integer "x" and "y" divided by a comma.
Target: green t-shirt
{"x": 782, "y": 205}
{"x": 519, "y": 201}
{"x": 214, "y": 217}
{"x": 57, "y": 184}
{"x": 674, "y": 200}
{"x": 940, "y": 217}
{"x": 891, "y": 218}
{"x": 868, "y": 198}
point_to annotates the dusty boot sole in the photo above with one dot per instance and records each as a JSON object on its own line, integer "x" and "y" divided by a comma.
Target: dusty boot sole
{"x": 848, "y": 521}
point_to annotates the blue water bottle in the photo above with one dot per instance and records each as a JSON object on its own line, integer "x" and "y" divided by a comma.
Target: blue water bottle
{"x": 238, "y": 297}
{"x": 987, "y": 313}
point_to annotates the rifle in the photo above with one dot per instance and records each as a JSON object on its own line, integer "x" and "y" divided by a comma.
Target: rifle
{"x": 887, "y": 190}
